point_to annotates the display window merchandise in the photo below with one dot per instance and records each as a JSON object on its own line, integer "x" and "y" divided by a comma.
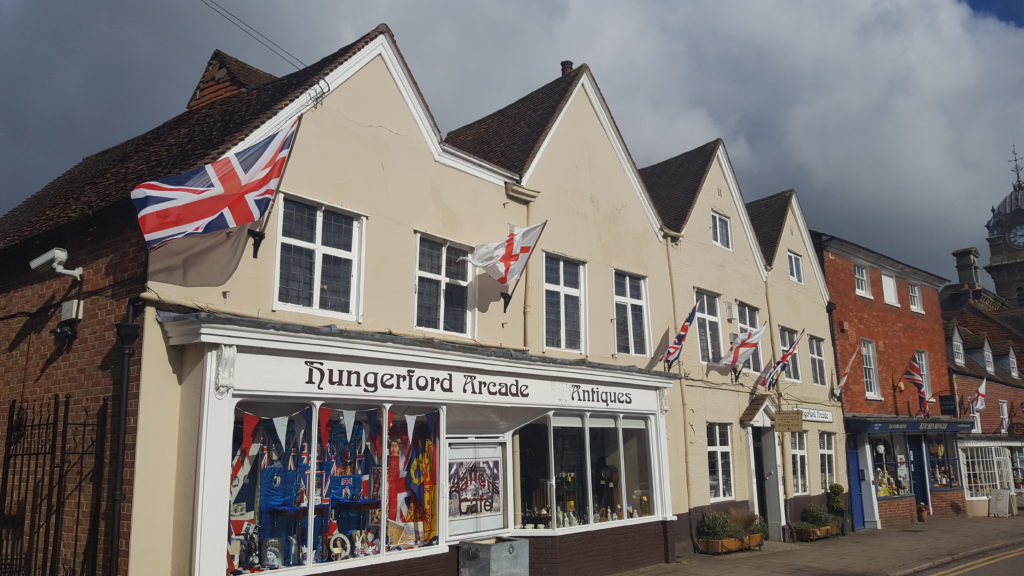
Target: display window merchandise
{"x": 343, "y": 453}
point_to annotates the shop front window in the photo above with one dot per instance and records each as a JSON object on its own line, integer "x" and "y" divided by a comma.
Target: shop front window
{"x": 602, "y": 470}
{"x": 571, "y": 498}
{"x": 293, "y": 466}
{"x": 1017, "y": 466}
{"x": 943, "y": 464}
{"x": 892, "y": 467}
{"x": 980, "y": 470}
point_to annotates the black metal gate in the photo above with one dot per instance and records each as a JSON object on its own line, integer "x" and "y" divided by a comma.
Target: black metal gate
{"x": 51, "y": 491}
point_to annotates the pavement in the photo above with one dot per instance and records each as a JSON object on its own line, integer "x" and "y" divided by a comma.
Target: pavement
{"x": 891, "y": 552}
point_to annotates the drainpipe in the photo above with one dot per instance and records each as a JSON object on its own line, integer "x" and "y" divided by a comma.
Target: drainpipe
{"x": 127, "y": 334}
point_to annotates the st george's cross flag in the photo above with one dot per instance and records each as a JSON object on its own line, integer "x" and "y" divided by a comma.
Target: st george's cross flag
{"x": 505, "y": 261}
{"x": 195, "y": 223}
{"x": 912, "y": 375}
{"x": 767, "y": 379}
{"x": 978, "y": 400}
{"x": 838, "y": 391}
{"x": 671, "y": 354}
{"x": 743, "y": 347}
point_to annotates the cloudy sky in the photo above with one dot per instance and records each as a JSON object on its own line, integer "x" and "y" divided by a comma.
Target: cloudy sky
{"x": 893, "y": 120}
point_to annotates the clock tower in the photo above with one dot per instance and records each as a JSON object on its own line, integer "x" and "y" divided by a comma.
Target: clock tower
{"x": 1006, "y": 242}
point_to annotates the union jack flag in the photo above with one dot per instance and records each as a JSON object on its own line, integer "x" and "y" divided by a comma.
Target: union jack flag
{"x": 913, "y": 376}
{"x": 671, "y": 353}
{"x": 305, "y": 454}
{"x": 767, "y": 380}
{"x": 234, "y": 190}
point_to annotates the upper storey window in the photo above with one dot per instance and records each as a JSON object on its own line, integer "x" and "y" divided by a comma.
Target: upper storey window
{"x": 630, "y": 318}
{"x": 914, "y": 295}
{"x": 721, "y": 230}
{"x": 709, "y": 331}
{"x": 861, "y": 281}
{"x": 796, "y": 268}
{"x": 318, "y": 261}
{"x": 958, "y": 349}
{"x": 442, "y": 287}
{"x": 990, "y": 365}
{"x": 563, "y": 303}
{"x": 889, "y": 290}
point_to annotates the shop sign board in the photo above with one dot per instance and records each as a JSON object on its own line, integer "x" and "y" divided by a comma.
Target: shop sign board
{"x": 915, "y": 426}
{"x": 320, "y": 377}
{"x": 813, "y": 415}
{"x": 947, "y": 404}
{"x": 789, "y": 421}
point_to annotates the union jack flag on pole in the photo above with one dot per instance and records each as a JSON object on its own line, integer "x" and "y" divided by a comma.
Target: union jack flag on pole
{"x": 671, "y": 353}
{"x": 913, "y": 376}
{"x": 767, "y": 380}
{"x": 234, "y": 190}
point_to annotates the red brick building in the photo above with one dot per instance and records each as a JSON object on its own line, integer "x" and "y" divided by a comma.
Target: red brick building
{"x": 900, "y": 437}
{"x": 984, "y": 333}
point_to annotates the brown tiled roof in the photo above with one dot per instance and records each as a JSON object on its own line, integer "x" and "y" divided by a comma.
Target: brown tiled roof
{"x": 226, "y": 75}
{"x": 189, "y": 140}
{"x": 674, "y": 183}
{"x": 511, "y": 137}
{"x": 768, "y": 217}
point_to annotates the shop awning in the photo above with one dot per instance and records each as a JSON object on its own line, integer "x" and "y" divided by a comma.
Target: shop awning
{"x": 906, "y": 424}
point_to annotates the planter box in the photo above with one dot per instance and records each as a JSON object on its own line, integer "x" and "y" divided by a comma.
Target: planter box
{"x": 720, "y": 546}
{"x": 811, "y": 534}
{"x": 753, "y": 541}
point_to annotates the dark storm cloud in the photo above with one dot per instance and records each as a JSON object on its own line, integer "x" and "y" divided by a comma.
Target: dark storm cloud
{"x": 892, "y": 120}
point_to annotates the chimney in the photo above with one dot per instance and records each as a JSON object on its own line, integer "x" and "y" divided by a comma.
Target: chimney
{"x": 566, "y": 67}
{"x": 967, "y": 267}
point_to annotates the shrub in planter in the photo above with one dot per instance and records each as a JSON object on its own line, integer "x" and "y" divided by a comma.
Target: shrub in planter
{"x": 716, "y": 533}
{"x": 816, "y": 515}
{"x": 836, "y": 501}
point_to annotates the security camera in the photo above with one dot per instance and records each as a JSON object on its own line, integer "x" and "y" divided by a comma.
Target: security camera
{"x": 55, "y": 258}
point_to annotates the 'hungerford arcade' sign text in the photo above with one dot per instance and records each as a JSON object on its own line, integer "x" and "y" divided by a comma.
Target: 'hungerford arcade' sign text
{"x": 303, "y": 376}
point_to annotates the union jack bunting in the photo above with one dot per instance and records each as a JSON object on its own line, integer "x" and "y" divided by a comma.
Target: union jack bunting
{"x": 913, "y": 375}
{"x": 671, "y": 353}
{"x": 234, "y": 190}
{"x": 767, "y": 380}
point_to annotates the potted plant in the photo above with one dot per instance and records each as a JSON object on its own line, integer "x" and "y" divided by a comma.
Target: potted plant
{"x": 815, "y": 523}
{"x": 750, "y": 525}
{"x": 758, "y": 533}
{"x": 717, "y": 534}
{"x": 806, "y": 532}
{"x": 922, "y": 511}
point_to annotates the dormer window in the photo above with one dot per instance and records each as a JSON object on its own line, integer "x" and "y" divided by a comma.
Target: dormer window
{"x": 1013, "y": 364}
{"x": 990, "y": 365}
{"x": 958, "y": 349}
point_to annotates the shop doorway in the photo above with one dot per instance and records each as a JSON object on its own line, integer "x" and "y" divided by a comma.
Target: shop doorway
{"x": 918, "y": 469}
{"x": 477, "y": 498}
{"x": 855, "y": 474}
{"x": 766, "y": 480}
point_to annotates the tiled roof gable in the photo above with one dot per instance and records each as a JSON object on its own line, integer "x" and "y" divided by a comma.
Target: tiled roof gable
{"x": 224, "y": 76}
{"x": 189, "y": 140}
{"x": 768, "y": 217}
{"x": 673, "y": 184}
{"x": 511, "y": 137}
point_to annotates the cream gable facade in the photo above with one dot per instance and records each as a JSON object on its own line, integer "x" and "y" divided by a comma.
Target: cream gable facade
{"x": 803, "y": 306}
{"x": 367, "y": 148}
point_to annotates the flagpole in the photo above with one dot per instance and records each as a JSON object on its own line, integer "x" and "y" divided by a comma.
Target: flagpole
{"x": 508, "y": 297}
{"x": 258, "y": 235}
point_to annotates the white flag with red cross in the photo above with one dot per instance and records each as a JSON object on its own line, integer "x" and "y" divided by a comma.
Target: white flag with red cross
{"x": 505, "y": 261}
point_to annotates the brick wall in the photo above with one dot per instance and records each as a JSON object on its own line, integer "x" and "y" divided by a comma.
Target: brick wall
{"x": 967, "y": 386}
{"x": 949, "y": 503}
{"x": 897, "y": 332}
{"x": 602, "y": 552}
{"x": 897, "y": 512}
{"x": 35, "y": 364}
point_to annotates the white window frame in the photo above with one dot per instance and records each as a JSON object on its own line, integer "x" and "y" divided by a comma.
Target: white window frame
{"x": 890, "y": 294}
{"x": 827, "y": 458}
{"x": 976, "y": 418}
{"x": 1004, "y": 416}
{"x": 562, "y": 292}
{"x": 356, "y": 255}
{"x": 914, "y": 298}
{"x": 869, "y": 363}
{"x": 469, "y": 284}
{"x": 798, "y": 458}
{"x": 710, "y": 348}
{"x": 990, "y": 364}
{"x": 715, "y": 448}
{"x": 796, "y": 267}
{"x": 922, "y": 362}
{"x": 816, "y": 347}
{"x": 629, "y": 301}
{"x": 980, "y": 471}
{"x": 958, "y": 349}
{"x": 721, "y": 230}
{"x": 747, "y": 321}
{"x": 862, "y": 280}
{"x": 786, "y": 338}
{"x": 1012, "y": 359}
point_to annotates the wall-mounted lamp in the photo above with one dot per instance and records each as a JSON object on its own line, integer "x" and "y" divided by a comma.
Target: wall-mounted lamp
{"x": 56, "y": 258}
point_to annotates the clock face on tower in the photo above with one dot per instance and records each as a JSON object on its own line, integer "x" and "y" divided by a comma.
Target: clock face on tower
{"x": 1016, "y": 236}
